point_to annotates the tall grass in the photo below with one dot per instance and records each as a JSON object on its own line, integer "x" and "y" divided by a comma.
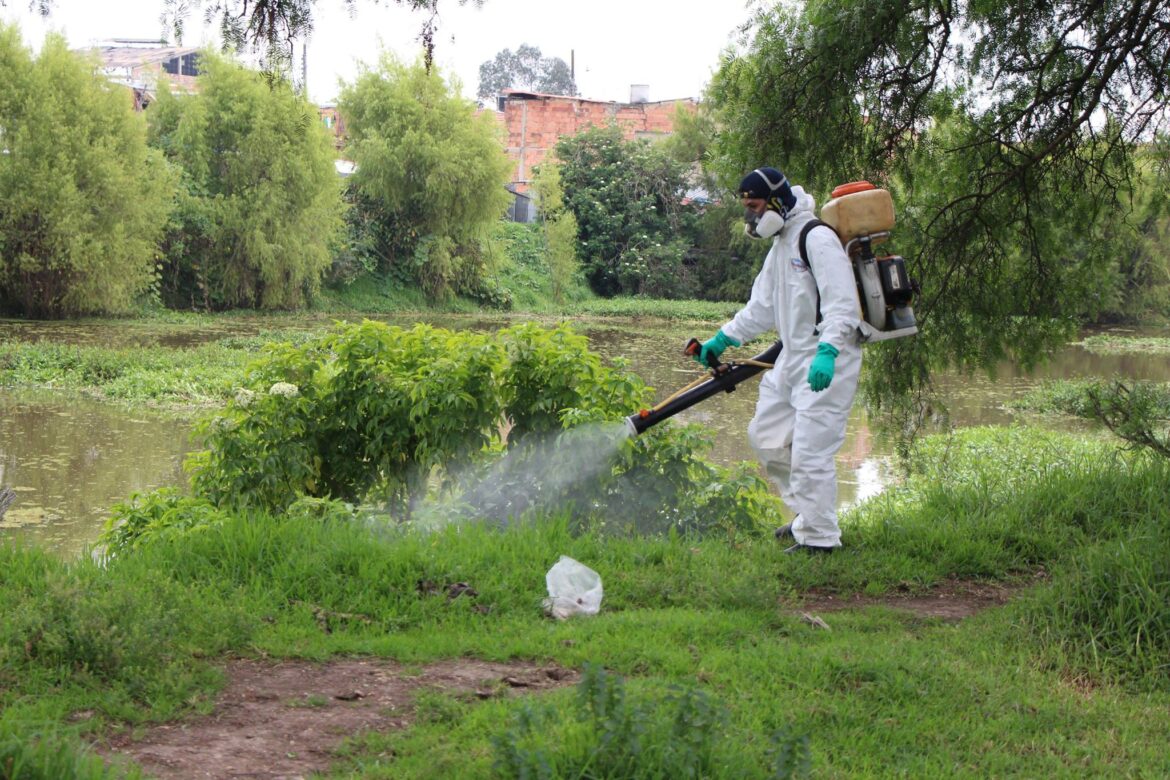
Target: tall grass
{"x": 1106, "y": 614}
{"x": 30, "y": 751}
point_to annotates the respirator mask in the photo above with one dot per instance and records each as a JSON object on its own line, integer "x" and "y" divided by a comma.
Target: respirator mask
{"x": 763, "y": 225}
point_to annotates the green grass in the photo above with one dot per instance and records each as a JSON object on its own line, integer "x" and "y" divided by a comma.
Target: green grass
{"x": 1112, "y": 343}
{"x": 881, "y": 693}
{"x": 45, "y": 751}
{"x": 154, "y": 376}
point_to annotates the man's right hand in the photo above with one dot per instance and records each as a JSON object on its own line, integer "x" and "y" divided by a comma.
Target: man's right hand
{"x": 713, "y": 347}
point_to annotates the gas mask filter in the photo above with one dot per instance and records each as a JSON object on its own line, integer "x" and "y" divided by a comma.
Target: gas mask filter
{"x": 764, "y": 225}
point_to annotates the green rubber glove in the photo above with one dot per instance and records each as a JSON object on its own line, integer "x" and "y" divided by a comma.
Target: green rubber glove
{"x": 820, "y": 373}
{"x": 713, "y": 347}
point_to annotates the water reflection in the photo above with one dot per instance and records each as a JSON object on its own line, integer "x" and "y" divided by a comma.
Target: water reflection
{"x": 70, "y": 460}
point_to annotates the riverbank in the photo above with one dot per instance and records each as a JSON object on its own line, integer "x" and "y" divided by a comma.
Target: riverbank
{"x": 94, "y": 654}
{"x": 1045, "y": 553}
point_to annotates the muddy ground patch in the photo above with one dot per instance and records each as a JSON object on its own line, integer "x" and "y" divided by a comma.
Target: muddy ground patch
{"x": 285, "y": 719}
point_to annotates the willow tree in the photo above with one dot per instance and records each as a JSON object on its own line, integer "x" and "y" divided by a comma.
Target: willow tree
{"x": 1006, "y": 129}
{"x": 273, "y": 25}
{"x": 430, "y": 176}
{"x": 260, "y": 202}
{"x": 83, "y": 200}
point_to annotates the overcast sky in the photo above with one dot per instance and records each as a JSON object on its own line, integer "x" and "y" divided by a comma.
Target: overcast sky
{"x": 671, "y": 46}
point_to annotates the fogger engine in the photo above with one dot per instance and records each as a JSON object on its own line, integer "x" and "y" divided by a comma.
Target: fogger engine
{"x": 721, "y": 378}
{"x": 863, "y": 217}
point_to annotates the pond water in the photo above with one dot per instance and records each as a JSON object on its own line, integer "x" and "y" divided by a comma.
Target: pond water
{"x": 70, "y": 459}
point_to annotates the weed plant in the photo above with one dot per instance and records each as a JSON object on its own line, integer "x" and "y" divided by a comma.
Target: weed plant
{"x": 31, "y": 751}
{"x": 620, "y": 733}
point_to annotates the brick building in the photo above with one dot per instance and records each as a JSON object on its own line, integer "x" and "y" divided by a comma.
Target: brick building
{"x": 534, "y": 122}
{"x": 140, "y": 65}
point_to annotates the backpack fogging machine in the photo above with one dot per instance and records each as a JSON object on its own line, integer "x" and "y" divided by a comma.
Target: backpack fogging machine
{"x": 862, "y": 216}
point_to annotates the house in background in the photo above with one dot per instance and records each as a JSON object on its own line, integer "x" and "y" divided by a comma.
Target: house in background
{"x": 333, "y": 123}
{"x": 535, "y": 121}
{"x": 140, "y": 64}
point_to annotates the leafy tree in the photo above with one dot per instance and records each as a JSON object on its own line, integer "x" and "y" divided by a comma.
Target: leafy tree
{"x": 1005, "y": 128}
{"x": 430, "y": 176}
{"x": 560, "y": 230}
{"x": 40, "y": 6}
{"x": 627, "y": 197}
{"x": 83, "y": 200}
{"x": 260, "y": 203}
{"x": 272, "y": 25}
{"x": 525, "y": 69}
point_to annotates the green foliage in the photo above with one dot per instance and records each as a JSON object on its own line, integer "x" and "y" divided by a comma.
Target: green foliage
{"x": 1136, "y": 412}
{"x": 636, "y": 306}
{"x": 524, "y": 70}
{"x": 1107, "y": 612}
{"x": 371, "y": 411}
{"x": 627, "y": 197}
{"x": 144, "y": 517}
{"x": 560, "y": 230}
{"x": 1139, "y": 413}
{"x": 621, "y": 734}
{"x": 260, "y": 206}
{"x": 1064, "y": 396}
{"x": 80, "y": 627}
{"x": 85, "y": 200}
{"x": 1009, "y": 159}
{"x": 157, "y": 376}
{"x": 378, "y": 414}
{"x": 1112, "y": 344}
{"x": 430, "y": 179}
{"x": 45, "y": 751}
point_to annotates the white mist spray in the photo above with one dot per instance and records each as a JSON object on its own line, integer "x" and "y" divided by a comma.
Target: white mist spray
{"x": 537, "y": 473}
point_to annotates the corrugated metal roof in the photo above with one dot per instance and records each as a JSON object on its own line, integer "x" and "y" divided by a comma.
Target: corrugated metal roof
{"x": 134, "y": 56}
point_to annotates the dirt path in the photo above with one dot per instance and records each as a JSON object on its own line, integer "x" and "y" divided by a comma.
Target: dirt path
{"x": 283, "y": 720}
{"x": 951, "y": 601}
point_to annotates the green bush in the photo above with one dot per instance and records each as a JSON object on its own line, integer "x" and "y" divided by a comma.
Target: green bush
{"x": 621, "y": 735}
{"x": 370, "y": 412}
{"x": 377, "y": 414}
{"x": 146, "y": 516}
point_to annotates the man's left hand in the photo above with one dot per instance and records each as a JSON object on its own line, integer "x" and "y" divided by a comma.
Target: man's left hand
{"x": 820, "y": 373}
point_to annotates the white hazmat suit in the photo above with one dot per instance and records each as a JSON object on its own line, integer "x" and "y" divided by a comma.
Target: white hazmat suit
{"x": 796, "y": 432}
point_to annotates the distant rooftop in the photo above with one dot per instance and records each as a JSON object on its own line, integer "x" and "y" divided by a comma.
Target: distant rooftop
{"x": 117, "y": 54}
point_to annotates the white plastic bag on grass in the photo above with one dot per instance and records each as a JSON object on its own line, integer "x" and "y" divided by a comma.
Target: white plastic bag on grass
{"x": 573, "y": 589}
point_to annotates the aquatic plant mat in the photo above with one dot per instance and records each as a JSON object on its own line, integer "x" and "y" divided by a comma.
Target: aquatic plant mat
{"x": 279, "y": 719}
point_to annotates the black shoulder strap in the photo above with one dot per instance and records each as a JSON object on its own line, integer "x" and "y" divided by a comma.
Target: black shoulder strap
{"x": 803, "y": 242}
{"x": 812, "y": 223}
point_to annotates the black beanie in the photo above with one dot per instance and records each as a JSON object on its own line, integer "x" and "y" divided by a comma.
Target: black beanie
{"x": 770, "y": 185}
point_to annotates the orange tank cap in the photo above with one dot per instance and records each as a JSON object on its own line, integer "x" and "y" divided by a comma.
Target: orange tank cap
{"x": 852, "y": 187}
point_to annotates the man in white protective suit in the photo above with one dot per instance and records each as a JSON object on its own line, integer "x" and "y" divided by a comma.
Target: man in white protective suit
{"x": 805, "y": 398}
